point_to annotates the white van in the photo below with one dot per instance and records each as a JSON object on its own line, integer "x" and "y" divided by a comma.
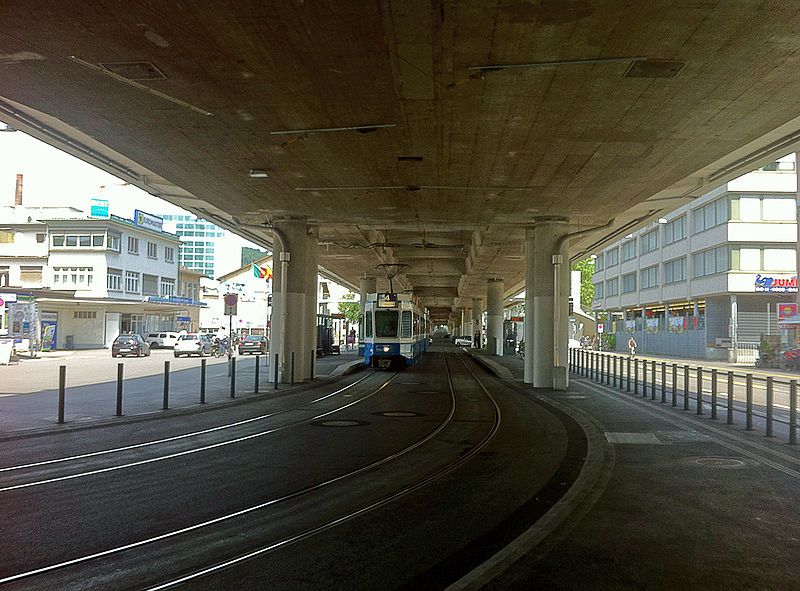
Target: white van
{"x": 162, "y": 340}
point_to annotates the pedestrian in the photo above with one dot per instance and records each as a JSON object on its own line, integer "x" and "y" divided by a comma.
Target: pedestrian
{"x": 632, "y": 346}
{"x": 351, "y": 339}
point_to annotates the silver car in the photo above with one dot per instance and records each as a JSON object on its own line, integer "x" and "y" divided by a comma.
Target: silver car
{"x": 193, "y": 343}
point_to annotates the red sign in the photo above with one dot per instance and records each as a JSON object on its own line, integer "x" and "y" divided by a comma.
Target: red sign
{"x": 786, "y": 311}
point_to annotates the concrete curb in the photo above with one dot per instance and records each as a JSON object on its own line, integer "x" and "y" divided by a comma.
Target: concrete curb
{"x": 347, "y": 368}
{"x": 497, "y": 369}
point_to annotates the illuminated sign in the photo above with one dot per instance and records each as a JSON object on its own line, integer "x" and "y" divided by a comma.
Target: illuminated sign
{"x": 786, "y": 311}
{"x": 767, "y": 284}
{"x": 98, "y": 208}
{"x": 387, "y": 300}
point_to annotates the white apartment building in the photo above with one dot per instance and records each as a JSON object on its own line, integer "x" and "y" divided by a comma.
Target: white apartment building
{"x": 707, "y": 281}
{"x": 120, "y": 276}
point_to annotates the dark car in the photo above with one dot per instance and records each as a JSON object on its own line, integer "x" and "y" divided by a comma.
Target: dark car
{"x": 130, "y": 344}
{"x": 253, "y": 343}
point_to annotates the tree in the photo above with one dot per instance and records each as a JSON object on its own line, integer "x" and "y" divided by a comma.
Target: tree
{"x": 351, "y": 309}
{"x": 586, "y": 267}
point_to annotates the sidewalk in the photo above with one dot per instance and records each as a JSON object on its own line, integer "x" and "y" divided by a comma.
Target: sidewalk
{"x": 666, "y": 499}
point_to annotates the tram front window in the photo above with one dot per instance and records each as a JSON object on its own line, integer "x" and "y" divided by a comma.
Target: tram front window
{"x": 385, "y": 323}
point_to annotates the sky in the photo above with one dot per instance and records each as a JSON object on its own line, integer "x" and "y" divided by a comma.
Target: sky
{"x": 54, "y": 178}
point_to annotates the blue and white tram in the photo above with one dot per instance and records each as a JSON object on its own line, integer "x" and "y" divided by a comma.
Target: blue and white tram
{"x": 395, "y": 330}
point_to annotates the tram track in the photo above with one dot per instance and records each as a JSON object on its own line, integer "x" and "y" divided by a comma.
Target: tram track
{"x": 76, "y": 565}
{"x": 185, "y": 437}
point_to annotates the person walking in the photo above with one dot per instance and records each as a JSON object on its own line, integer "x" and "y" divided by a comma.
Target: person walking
{"x": 351, "y": 339}
{"x": 632, "y": 346}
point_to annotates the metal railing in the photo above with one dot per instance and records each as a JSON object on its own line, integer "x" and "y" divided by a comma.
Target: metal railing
{"x": 763, "y": 401}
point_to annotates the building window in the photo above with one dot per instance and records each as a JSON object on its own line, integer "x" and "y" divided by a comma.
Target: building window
{"x": 768, "y": 208}
{"x": 5, "y": 276}
{"x": 649, "y": 242}
{"x": 98, "y": 239}
{"x": 6, "y": 236}
{"x": 612, "y": 257}
{"x": 30, "y": 275}
{"x": 114, "y": 280}
{"x": 41, "y": 237}
{"x": 598, "y": 291}
{"x": 133, "y": 245}
{"x": 167, "y": 287}
{"x": 57, "y": 240}
{"x": 131, "y": 282}
{"x": 629, "y": 250}
{"x": 675, "y": 271}
{"x": 649, "y": 277}
{"x": 612, "y": 287}
{"x": 675, "y": 230}
{"x": 710, "y": 215}
{"x": 113, "y": 242}
{"x": 629, "y": 283}
{"x": 152, "y": 250}
{"x": 169, "y": 254}
{"x": 779, "y": 259}
{"x": 150, "y": 285}
{"x": 73, "y": 277}
{"x": 598, "y": 263}
{"x": 711, "y": 261}
{"x": 775, "y": 209}
{"x": 84, "y": 315}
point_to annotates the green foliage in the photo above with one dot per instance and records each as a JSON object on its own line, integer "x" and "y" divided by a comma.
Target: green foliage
{"x": 250, "y": 255}
{"x": 586, "y": 267}
{"x": 609, "y": 342}
{"x": 351, "y": 311}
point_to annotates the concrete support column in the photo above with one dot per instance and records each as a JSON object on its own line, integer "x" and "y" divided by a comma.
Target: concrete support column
{"x": 312, "y": 281}
{"x": 292, "y": 320}
{"x": 494, "y": 316}
{"x": 546, "y": 357}
{"x": 466, "y": 329}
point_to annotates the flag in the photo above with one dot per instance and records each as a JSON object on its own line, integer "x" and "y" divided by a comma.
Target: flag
{"x": 262, "y": 272}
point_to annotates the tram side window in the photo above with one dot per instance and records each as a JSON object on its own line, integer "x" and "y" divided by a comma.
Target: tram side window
{"x": 405, "y": 325}
{"x": 361, "y": 326}
{"x": 385, "y": 323}
{"x": 368, "y": 323}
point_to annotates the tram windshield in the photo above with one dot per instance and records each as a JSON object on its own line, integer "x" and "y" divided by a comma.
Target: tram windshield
{"x": 385, "y": 323}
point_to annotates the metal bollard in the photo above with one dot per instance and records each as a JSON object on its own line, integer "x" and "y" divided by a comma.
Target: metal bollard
{"x": 713, "y": 393}
{"x": 291, "y": 373}
{"x": 255, "y": 387}
{"x": 614, "y": 371}
{"x": 652, "y": 380}
{"x": 663, "y": 382}
{"x": 62, "y": 391}
{"x": 120, "y": 370}
{"x": 674, "y": 384}
{"x": 685, "y": 387}
{"x": 276, "y": 371}
{"x": 730, "y": 398}
{"x": 793, "y": 412}
{"x": 165, "y": 406}
{"x": 770, "y": 406}
{"x": 628, "y": 380}
{"x": 233, "y": 377}
{"x": 644, "y": 378}
{"x": 609, "y": 358}
{"x": 202, "y": 381}
{"x": 313, "y": 364}
{"x": 749, "y": 412}
{"x": 635, "y": 376}
{"x": 699, "y": 390}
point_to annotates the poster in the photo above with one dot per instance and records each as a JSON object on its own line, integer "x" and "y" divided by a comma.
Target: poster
{"x": 677, "y": 324}
{"x": 49, "y": 331}
{"x": 651, "y": 325}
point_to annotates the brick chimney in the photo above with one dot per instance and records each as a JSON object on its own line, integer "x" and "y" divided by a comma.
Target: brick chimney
{"x": 18, "y": 192}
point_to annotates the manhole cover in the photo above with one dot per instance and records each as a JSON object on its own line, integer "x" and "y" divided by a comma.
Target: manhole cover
{"x": 340, "y": 423}
{"x": 719, "y": 462}
{"x": 398, "y": 413}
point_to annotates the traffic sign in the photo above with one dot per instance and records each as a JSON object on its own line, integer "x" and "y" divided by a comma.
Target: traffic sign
{"x": 600, "y": 328}
{"x": 231, "y": 301}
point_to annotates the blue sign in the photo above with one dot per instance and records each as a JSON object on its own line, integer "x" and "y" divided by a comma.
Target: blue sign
{"x": 768, "y": 284}
{"x": 98, "y": 208}
{"x": 170, "y": 300}
{"x": 184, "y": 318}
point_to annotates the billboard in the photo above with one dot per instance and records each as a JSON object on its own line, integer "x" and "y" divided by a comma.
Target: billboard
{"x": 98, "y": 208}
{"x": 148, "y": 220}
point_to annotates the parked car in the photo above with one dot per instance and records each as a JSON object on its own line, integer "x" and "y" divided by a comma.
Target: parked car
{"x": 463, "y": 341}
{"x": 159, "y": 340}
{"x": 253, "y": 344}
{"x": 130, "y": 344}
{"x": 193, "y": 344}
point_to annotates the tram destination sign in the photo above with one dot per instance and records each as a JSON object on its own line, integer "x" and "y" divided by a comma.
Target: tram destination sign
{"x": 769, "y": 284}
{"x": 387, "y": 300}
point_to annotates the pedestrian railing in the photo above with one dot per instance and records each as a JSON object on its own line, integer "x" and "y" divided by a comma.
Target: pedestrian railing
{"x": 758, "y": 399}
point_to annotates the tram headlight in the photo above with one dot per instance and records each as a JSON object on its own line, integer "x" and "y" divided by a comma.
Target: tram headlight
{"x": 386, "y": 349}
